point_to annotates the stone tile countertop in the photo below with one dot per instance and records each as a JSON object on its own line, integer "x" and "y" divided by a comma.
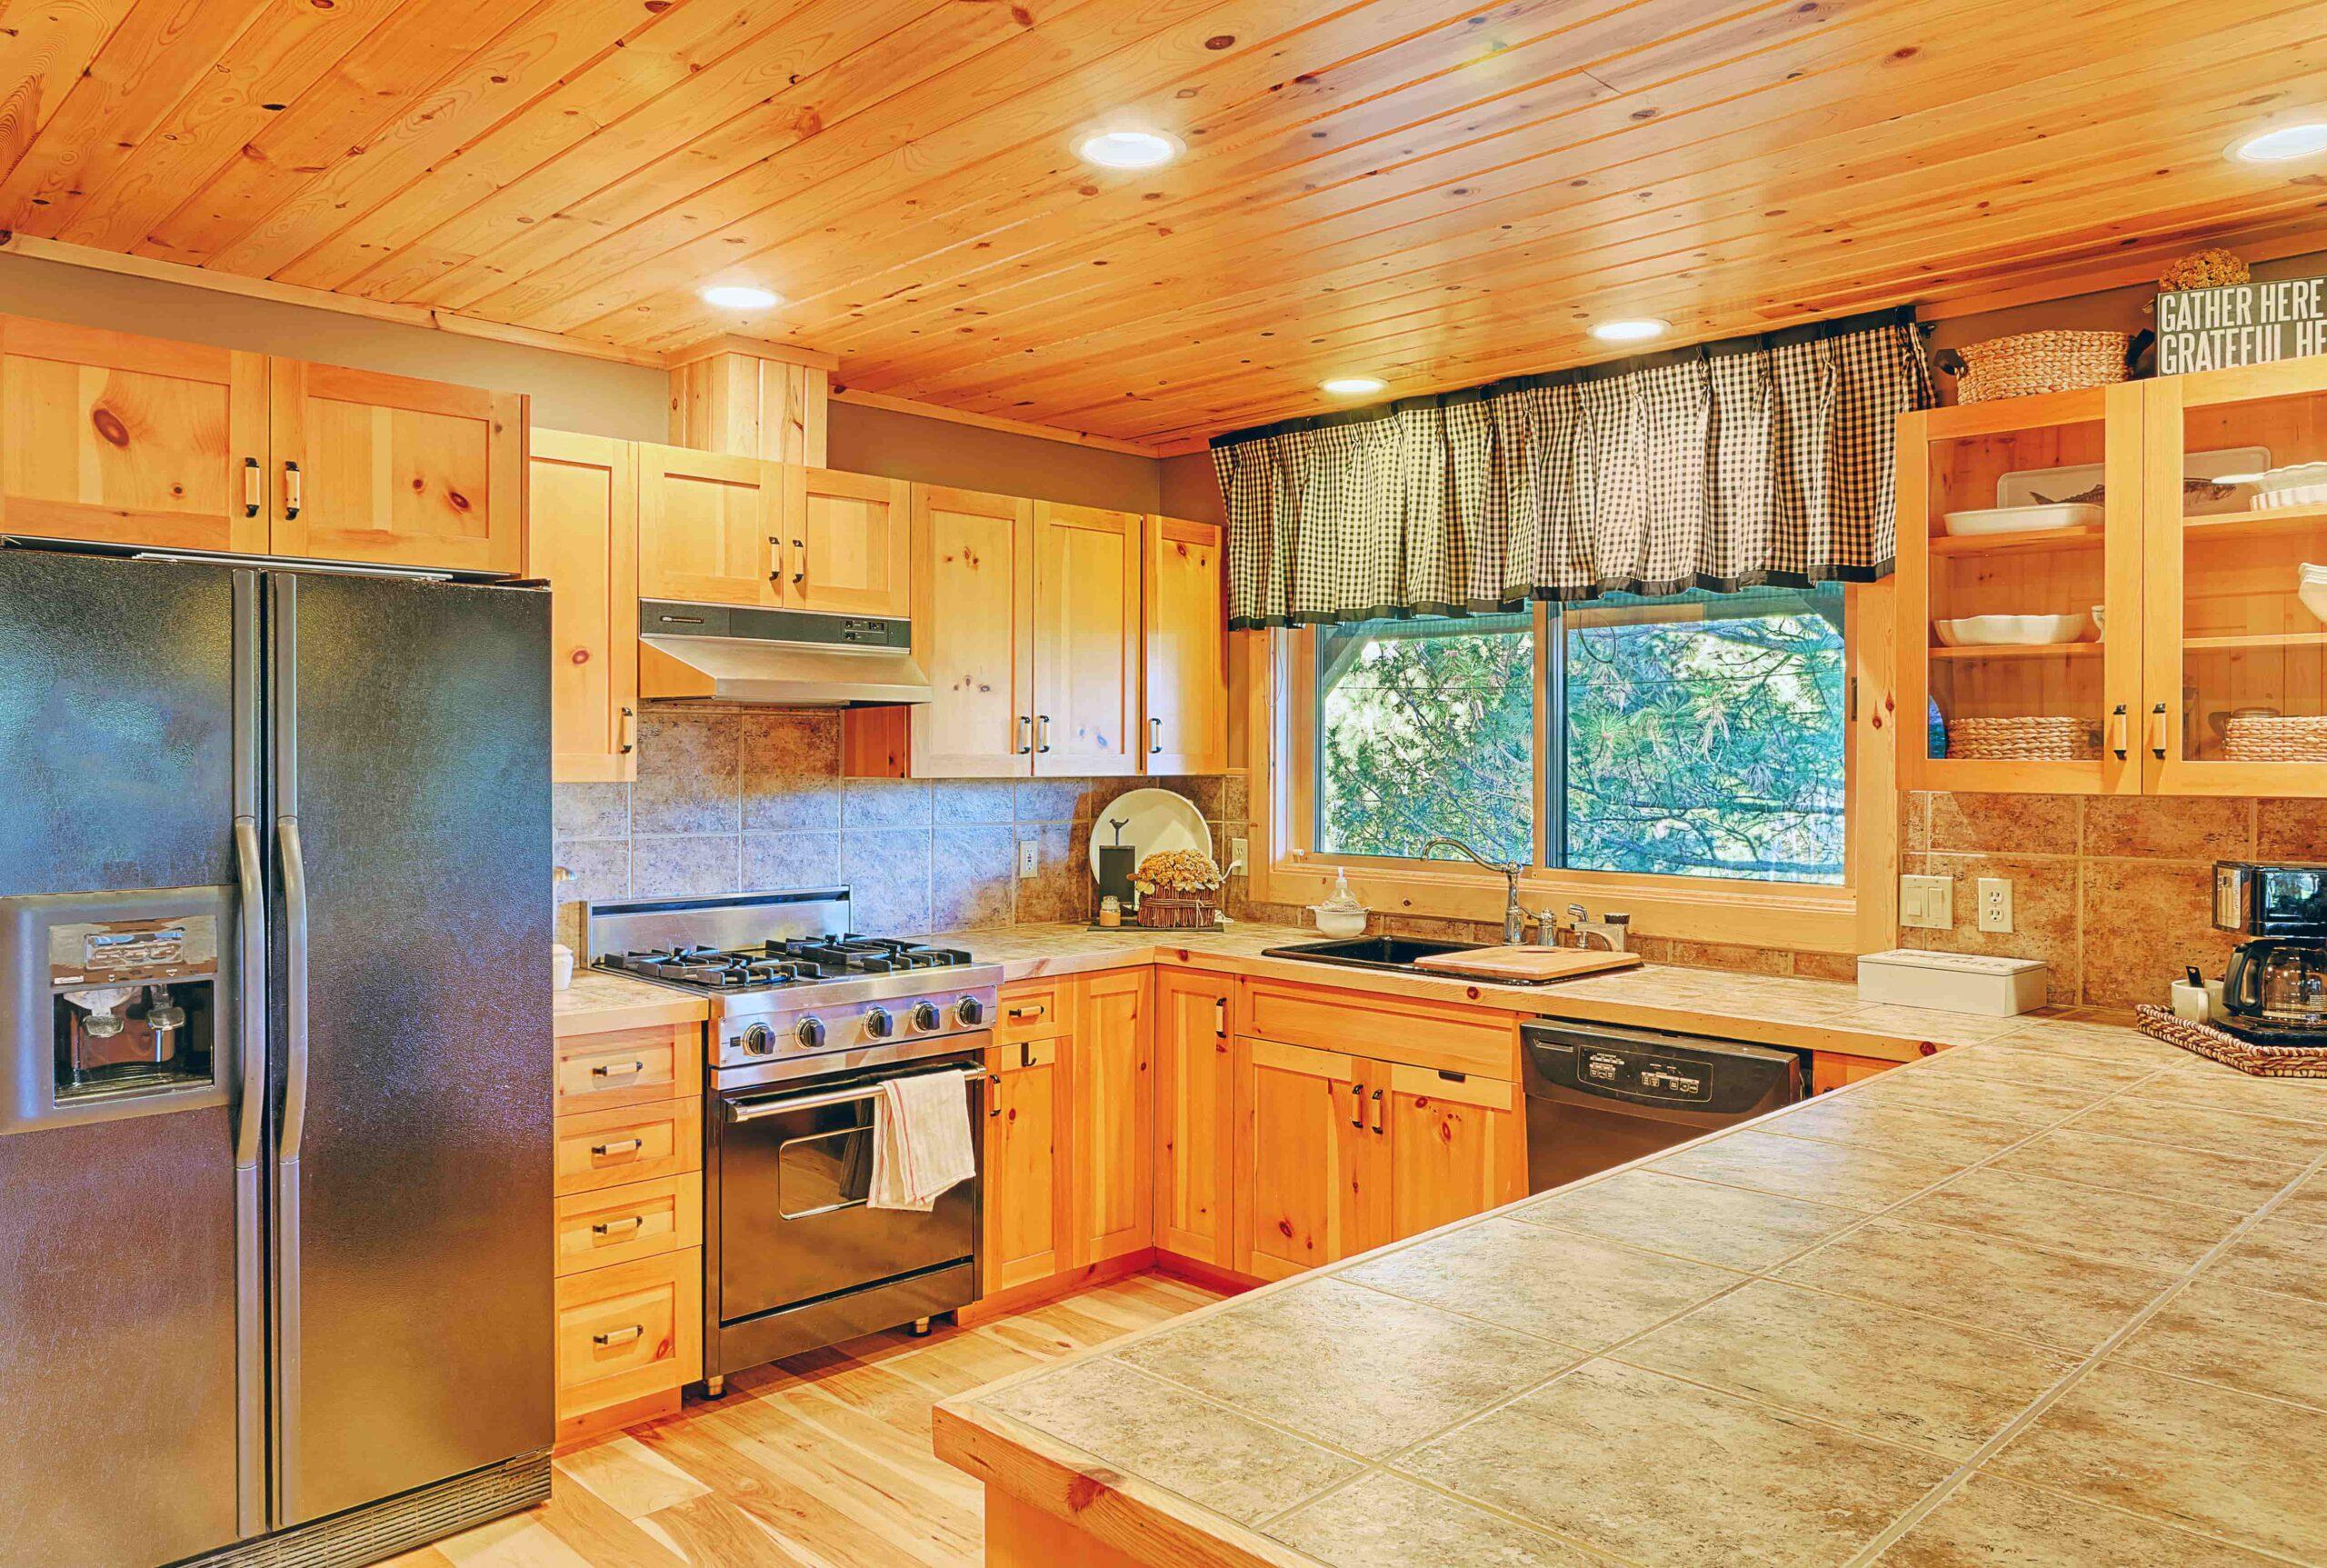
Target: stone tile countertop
{"x": 597, "y": 1001}
{"x": 2057, "y": 1298}
{"x": 1812, "y": 1013}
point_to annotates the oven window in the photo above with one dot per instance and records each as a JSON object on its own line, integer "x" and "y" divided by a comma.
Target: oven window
{"x": 823, "y": 1171}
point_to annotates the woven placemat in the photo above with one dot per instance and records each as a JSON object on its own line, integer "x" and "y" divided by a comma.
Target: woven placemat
{"x": 2220, "y": 1046}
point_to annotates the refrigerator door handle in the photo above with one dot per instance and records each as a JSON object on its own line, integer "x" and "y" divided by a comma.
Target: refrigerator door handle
{"x": 250, "y": 998}
{"x": 295, "y": 989}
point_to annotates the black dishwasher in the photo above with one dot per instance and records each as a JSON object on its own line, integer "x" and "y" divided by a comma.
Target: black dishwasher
{"x": 1599, "y": 1095}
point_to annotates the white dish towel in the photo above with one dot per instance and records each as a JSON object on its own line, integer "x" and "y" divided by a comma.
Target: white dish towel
{"x": 920, "y": 1140}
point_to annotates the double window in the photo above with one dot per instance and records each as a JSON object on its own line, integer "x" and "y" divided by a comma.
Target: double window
{"x": 1701, "y": 735}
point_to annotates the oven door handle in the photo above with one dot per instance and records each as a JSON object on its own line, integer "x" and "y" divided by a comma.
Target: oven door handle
{"x": 737, "y": 1111}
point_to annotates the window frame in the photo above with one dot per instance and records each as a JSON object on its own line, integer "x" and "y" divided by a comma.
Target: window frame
{"x": 1858, "y": 914}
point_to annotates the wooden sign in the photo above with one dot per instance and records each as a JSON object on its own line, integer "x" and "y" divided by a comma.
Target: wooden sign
{"x": 2243, "y": 324}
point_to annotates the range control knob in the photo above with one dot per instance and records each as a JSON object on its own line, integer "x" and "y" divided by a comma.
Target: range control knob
{"x": 811, "y": 1033}
{"x": 879, "y": 1024}
{"x": 759, "y": 1040}
{"x": 924, "y": 1017}
{"x": 969, "y": 1012}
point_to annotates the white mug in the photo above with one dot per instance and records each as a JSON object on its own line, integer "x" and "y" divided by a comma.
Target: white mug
{"x": 561, "y": 962}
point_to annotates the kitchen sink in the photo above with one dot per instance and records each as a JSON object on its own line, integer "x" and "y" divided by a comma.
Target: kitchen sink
{"x": 1368, "y": 952}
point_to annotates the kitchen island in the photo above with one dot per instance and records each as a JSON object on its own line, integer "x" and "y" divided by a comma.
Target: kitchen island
{"x": 2057, "y": 1296}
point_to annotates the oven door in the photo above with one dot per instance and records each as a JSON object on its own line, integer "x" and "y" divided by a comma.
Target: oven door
{"x": 802, "y": 1259}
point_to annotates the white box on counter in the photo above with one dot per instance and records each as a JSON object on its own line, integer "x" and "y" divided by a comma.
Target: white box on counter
{"x": 1951, "y": 982}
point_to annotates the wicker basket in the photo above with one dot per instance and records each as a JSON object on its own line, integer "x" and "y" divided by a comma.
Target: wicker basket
{"x": 1177, "y": 911}
{"x": 2220, "y": 1046}
{"x": 2276, "y": 740}
{"x": 2057, "y": 740}
{"x": 2034, "y": 362}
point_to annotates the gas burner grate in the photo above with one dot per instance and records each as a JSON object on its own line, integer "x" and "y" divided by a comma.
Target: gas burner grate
{"x": 790, "y": 962}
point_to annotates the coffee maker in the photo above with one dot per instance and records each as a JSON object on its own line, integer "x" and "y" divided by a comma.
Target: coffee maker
{"x": 2275, "y": 990}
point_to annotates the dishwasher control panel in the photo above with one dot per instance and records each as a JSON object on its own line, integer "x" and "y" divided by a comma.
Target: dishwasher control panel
{"x": 1644, "y": 1076}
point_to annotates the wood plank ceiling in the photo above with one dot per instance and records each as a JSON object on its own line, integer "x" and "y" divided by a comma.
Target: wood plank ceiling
{"x": 1432, "y": 194}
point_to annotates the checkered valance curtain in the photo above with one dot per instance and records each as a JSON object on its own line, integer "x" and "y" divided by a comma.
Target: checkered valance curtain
{"x": 1758, "y": 460}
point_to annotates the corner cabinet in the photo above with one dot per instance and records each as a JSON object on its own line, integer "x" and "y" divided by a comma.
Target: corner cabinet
{"x": 2184, "y": 659}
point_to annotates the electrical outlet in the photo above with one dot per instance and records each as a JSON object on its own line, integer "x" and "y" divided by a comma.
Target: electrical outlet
{"x": 1030, "y": 859}
{"x": 1995, "y": 904}
{"x": 1236, "y": 860}
{"x": 1927, "y": 903}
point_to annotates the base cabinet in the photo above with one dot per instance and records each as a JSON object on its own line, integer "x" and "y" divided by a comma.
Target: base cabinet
{"x": 1304, "y": 1159}
{"x": 1195, "y": 1117}
{"x": 1024, "y": 1217}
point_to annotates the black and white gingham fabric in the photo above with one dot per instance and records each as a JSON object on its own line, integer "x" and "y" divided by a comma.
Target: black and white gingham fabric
{"x": 1759, "y": 460}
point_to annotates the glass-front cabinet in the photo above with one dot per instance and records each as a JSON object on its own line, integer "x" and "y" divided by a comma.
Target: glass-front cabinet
{"x": 2236, "y": 581}
{"x": 2118, "y": 591}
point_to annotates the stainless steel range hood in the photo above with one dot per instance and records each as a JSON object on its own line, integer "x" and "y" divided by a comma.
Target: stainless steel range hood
{"x": 789, "y": 657}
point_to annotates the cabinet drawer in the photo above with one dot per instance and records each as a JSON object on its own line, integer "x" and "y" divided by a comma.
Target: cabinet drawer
{"x": 1387, "y": 1029}
{"x": 599, "y": 1149}
{"x": 622, "y": 1224}
{"x": 629, "y": 1330}
{"x": 1035, "y": 1009}
{"x": 629, "y": 1066}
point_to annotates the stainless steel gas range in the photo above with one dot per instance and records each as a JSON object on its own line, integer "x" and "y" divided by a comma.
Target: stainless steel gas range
{"x": 807, "y": 1019}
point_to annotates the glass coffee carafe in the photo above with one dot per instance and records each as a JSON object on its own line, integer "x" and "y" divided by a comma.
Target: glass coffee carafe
{"x": 2278, "y": 984}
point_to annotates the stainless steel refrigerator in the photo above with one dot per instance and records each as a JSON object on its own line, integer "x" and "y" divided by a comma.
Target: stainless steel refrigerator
{"x": 276, "y": 1059}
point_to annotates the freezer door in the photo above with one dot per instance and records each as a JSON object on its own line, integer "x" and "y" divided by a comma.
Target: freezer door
{"x": 413, "y": 1250}
{"x": 129, "y": 1247}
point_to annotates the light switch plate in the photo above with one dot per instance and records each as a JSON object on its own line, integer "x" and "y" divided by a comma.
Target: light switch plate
{"x": 1927, "y": 903}
{"x": 1028, "y": 859}
{"x": 1995, "y": 904}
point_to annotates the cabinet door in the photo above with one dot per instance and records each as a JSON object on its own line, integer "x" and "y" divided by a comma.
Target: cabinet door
{"x": 582, "y": 537}
{"x": 1457, "y": 1146}
{"x": 710, "y": 527}
{"x": 1086, "y": 633}
{"x": 848, "y": 549}
{"x": 1113, "y": 1146}
{"x": 131, "y": 440}
{"x": 2236, "y": 691}
{"x": 1195, "y": 1117}
{"x": 1024, "y": 1199}
{"x": 1306, "y": 1158}
{"x": 972, "y": 596}
{"x": 396, "y": 471}
{"x": 1185, "y": 649}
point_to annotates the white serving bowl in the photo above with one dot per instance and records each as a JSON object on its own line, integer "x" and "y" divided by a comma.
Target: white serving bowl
{"x": 1332, "y": 921}
{"x": 2012, "y": 631}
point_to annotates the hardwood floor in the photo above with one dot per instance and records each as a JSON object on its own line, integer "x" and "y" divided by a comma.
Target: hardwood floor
{"x": 822, "y": 1460}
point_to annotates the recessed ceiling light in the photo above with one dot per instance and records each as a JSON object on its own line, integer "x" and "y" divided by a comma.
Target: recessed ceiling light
{"x": 1352, "y": 385}
{"x": 1639, "y": 331}
{"x": 2281, "y": 145}
{"x": 1128, "y": 149}
{"x": 739, "y": 296}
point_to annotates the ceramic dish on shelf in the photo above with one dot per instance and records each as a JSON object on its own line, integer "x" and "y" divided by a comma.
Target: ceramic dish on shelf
{"x": 2101, "y": 623}
{"x": 2012, "y": 631}
{"x": 2311, "y": 587}
{"x": 2278, "y": 493}
{"x": 2020, "y": 519}
{"x": 2211, "y": 481}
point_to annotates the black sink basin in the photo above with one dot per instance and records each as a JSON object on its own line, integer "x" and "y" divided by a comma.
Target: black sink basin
{"x": 1368, "y": 952}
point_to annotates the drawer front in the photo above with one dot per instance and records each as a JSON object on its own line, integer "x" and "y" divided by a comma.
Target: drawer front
{"x": 599, "y": 1149}
{"x": 629, "y": 1067}
{"x": 1034, "y": 1010}
{"x": 622, "y": 1224}
{"x": 1418, "y": 1034}
{"x": 629, "y": 1330}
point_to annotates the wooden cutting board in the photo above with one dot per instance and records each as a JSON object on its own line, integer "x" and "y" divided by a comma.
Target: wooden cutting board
{"x": 1527, "y": 965}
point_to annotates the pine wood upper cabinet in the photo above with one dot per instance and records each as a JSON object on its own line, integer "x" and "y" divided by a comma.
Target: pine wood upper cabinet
{"x": 1304, "y": 1158}
{"x": 1114, "y": 1115}
{"x": 973, "y": 583}
{"x": 710, "y": 527}
{"x": 847, "y": 544}
{"x": 1025, "y": 1201}
{"x": 1185, "y": 649}
{"x": 1454, "y": 1145}
{"x": 582, "y": 537}
{"x": 1086, "y": 641}
{"x": 395, "y": 471}
{"x": 131, "y": 440}
{"x": 1195, "y": 1117}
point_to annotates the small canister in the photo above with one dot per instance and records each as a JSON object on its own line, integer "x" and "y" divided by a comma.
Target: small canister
{"x": 1110, "y": 911}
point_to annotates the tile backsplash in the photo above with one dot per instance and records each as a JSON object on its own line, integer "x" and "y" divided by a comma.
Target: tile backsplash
{"x": 2114, "y": 893}
{"x": 752, "y": 800}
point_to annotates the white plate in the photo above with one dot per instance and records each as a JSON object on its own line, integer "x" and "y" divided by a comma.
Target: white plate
{"x": 2021, "y": 519}
{"x": 2012, "y": 631}
{"x": 2027, "y": 486}
{"x": 1155, "y": 820}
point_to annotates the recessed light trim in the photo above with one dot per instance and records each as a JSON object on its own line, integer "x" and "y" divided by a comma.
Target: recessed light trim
{"x": 1352, "y": 385}
{"x": 1129, "y": 149}
{"x": 740, "y": 297}
{"x": 2282, "y": 143}
{"x": 1637, "y": 329}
